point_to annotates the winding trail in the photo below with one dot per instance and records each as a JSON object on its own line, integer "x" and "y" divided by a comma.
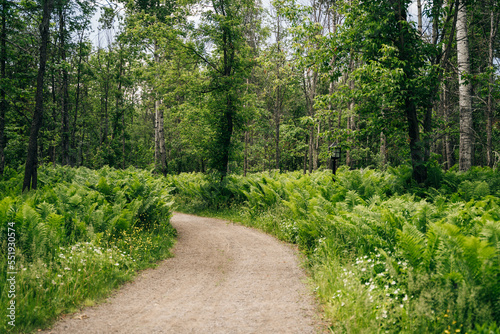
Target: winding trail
{"x": 224, "y": 278}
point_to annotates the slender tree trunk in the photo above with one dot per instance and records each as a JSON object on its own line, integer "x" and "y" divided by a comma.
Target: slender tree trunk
{"x": 348, "y": 156}
{"x": 351, "y": 125}
{"x": 419, "y": 16}
{"x": 490, "y": 107}
{"x": 52, "y": 127}
{"x": 330, "y": 123}
{"x": 80, "y": 156}
{"x": 157, "y": 141}
{"x": 227, "y": 125}
{"x": 427, "y": 133}
{"x": 160, "y": 150}
{"x": 3, "y": 76}
{"x": 104, "y": 99}
{"x": 310, "y": 93}
{"x": 316, "y": 147}
{"x": 30, "y": 171}
{"x": 332, "y": 28}
{"x": 311, "y": 148}
{"x": 277, "y": 109}
{"x": 383, "y": 149}
{"x": 74, "y": 151}
{"x": 119, "y": 111}
{"x": 161, "y": 139}
{"x": 123, "y": 141}
{"x": 305, "y": 162}
{"x": 465, "y": 103}
{"x": 245, "y": 159}
{"x": 447, "y": 121}
{"x": 157, "y": 114}
{"x": 64, "y": 89}
{"x": 80, "y": 149}
{"x": 277, "y": 129}
{"x": 314, "y": 155}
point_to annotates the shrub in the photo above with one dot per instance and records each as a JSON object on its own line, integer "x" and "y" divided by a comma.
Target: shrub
{"x": 386, "y": 254}
{"x": 79, "y": 235}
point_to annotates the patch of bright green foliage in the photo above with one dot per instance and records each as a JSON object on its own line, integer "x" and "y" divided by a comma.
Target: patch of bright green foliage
{"x": 79, "y": 235}
{"x": 385, "y": 255}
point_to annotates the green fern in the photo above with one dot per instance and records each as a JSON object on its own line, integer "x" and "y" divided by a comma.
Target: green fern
{"x": 412, "y": 243}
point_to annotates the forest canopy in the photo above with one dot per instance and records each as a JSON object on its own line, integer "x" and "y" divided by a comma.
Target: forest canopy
{"x": 237, "y": 86}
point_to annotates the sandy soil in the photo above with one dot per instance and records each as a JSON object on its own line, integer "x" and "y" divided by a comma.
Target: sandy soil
{"x": 224, "y": 278}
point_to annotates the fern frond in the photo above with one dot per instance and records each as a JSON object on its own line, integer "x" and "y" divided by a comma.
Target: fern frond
{"x": 412, "y": 242}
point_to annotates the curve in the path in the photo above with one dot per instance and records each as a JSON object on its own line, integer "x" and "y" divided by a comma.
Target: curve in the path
{"x": 224, "y": 278}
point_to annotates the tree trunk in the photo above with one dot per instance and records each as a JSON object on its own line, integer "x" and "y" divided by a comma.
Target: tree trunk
{"x": 316, "y": 148}
{"x": 245, "y": 159}
{"x": 52, "y": 150}
{"x": 3, "y": 101}
{"x": 104, "y": 99}
{"x": 119, "y": 111}
{"x": 305, "y": 162}
{"x": 64, "y": 90}
{"x": 419, "y": 16}
{"x": 160, "y": 150}
{"x": 350, "y": 119}
{"x": 311, "y": 148}
{"x": 416, "y": 149}
{"x": 277, "y": 129}
{"x": 157, "y": 143}
{"x": 161, "y": 140}
{"x": 383, "y": 149}
{"x": 30, "y": 171}
{"x": 417, "y": 155}
{"x": 490, "y": 107}
{"x": 277, "y": 109}
{"x": 310, "y": 93}
{"x": 227, "y": 132}
{"x": 74, "y": 155}
{"x": 123, "y": 140}
{"x": 351, "y": 126}
{"x": 465, "y": 103}
{"x": 447, "y": 121}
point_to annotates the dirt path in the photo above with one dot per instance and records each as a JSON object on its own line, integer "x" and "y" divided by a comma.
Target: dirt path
{"x": 224, "y": 278}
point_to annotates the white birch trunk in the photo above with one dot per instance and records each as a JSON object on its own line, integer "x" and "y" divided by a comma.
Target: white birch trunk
{"x": 160, "y": 151}
{"x": 157, "y": 146}
{"x": 465, "y": 103}
{"x": 490, "y": 109}
{"x": 419, "y": 18}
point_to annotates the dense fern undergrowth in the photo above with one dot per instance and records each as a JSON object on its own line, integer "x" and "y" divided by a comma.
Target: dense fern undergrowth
{"x": 78, "y": 236}
{"x": 385, "y": 256}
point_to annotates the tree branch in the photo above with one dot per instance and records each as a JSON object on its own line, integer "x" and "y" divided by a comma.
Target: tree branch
{"x": 201, "y": 57}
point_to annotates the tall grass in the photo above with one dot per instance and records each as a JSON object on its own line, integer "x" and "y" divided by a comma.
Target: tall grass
{"x": 385, "y": 255}
{"x": 81, "y": 234}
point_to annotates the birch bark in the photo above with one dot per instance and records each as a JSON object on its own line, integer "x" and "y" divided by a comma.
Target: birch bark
{"x": 465, "y": 102}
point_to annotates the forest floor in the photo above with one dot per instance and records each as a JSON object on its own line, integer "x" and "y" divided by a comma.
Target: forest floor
{"x": 223, "y": 278}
